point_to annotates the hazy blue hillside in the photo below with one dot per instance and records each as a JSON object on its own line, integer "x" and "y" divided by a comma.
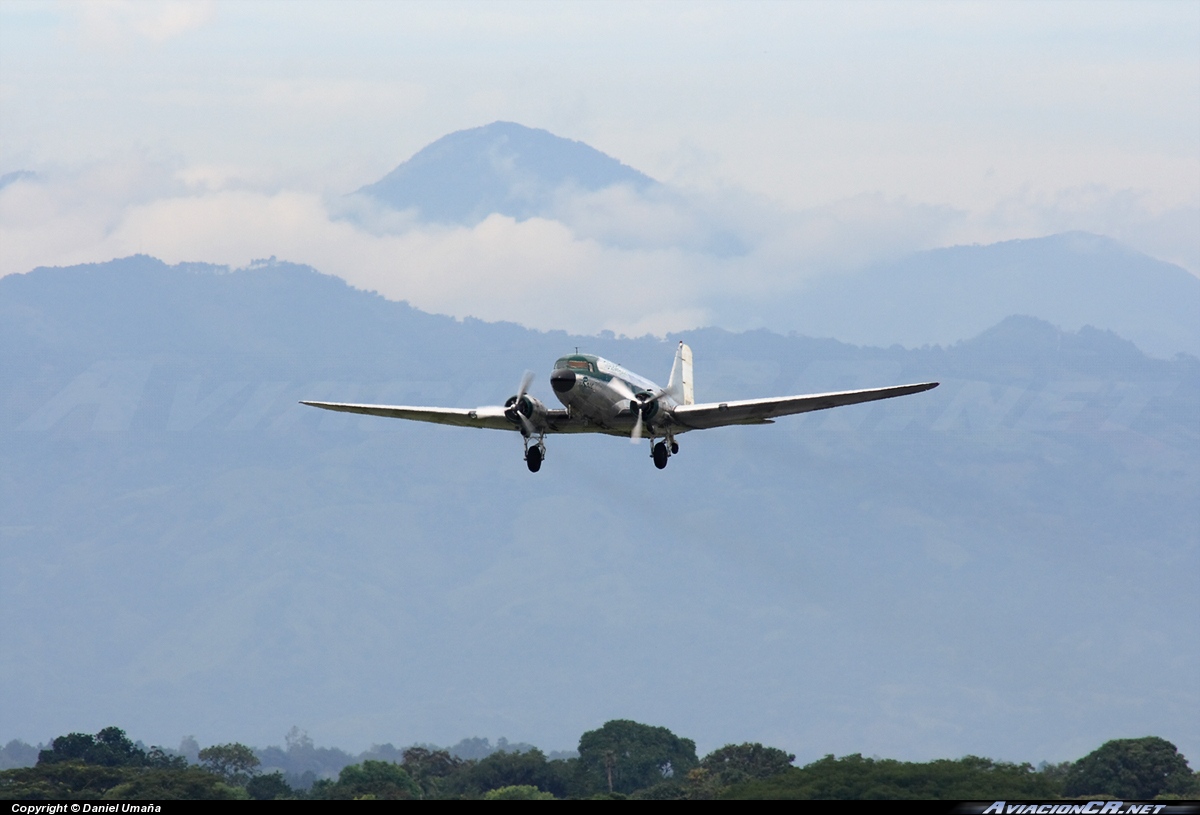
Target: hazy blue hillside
{"x": 502, "y": 167}
{"x": 1003, "y": 566}
{"x": 944, "y": 295}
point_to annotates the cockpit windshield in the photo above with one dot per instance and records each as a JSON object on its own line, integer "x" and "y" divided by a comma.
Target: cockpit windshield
{"x": 576, "y": 364}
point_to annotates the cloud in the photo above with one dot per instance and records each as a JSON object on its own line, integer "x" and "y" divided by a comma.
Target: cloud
{"x": 112, "y": 22}
{"x": 537, "y": 272}
{"x": 632, "y": 263}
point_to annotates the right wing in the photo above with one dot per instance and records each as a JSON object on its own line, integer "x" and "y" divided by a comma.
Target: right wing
{"x": 492, "y": 418}
{"x": 763, "y": 411}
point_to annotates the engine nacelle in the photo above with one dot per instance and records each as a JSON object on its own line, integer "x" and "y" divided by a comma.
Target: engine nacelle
{"x": 529, "y": 407}
{"x": 649, "y": 408}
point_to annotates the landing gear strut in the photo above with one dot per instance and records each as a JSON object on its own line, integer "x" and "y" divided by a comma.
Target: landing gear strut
{"x": 534, "y": 455}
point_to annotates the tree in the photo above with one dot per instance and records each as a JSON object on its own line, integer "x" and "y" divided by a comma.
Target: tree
{"x": 517, "y": 769}
{"x": 108, "y": 748}
{"x": 76, "y": 781}
{"x": 235, "y": 762}
{"x": 520, "y": 792}
{"x": 372, "y": 779}
{"x": 160, "y": 759}
{"x": 856, "y": 778}
{"x": 623, "y": 756}
{"x": 59, "y": 780}
{"x": 1138, "y": 769}
{"x": 18, "y": 754}
{"x": 269, "y": 787}
{"x": 741, "y": 762}
{"x": 188, "y": 784}
{"x": 429, "y": 767}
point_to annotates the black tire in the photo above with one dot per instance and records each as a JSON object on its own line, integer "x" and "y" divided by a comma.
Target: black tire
{"x": 533, "y": 459}
{"x": 660, "y": 455}
{"x": 674, "y": 447}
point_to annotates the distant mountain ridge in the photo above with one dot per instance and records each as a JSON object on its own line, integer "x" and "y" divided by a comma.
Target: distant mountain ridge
{"x": 503, "y": 168}
{"x": 940, "y": 296}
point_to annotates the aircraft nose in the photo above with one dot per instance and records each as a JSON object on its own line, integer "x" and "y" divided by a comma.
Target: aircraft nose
{"x": 562, "y": 380}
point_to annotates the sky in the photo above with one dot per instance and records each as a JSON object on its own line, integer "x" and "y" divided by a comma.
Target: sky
{"x": 827, "y": 136}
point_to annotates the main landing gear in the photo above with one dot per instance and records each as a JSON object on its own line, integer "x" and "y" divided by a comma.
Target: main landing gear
{"x": 662, "y": 451}
{"x": 534, "y": 455}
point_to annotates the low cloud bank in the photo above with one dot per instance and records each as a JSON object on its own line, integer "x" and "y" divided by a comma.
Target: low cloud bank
{"x": 627, "y": 261}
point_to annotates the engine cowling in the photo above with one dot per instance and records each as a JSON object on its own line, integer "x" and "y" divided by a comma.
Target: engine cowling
{"x": 529, "y": 407}
{"x": 645, "y": 405}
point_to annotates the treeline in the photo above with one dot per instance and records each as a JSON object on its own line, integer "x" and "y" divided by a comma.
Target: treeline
{"x": 622, "y": 759}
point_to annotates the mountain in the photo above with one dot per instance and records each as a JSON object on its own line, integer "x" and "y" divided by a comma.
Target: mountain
{"x": 1002, "y": 566}
{"x": 945, "y": 295}
{"x": 503, "y": 168}
{"x": 939, "y": 296}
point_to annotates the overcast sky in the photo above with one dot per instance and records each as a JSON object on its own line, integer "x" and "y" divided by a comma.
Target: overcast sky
{"x": 830, "y": 135}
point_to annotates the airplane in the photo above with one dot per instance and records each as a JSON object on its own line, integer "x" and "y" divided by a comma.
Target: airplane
{"x": 600, "y": 396}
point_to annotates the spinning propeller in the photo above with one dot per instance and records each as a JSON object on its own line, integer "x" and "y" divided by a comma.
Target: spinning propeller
{"x": 644, "y": 405}
{"x": 513, "y": 407}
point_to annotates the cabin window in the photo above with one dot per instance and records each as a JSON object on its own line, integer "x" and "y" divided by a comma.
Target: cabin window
{"x": 578, "y": 365}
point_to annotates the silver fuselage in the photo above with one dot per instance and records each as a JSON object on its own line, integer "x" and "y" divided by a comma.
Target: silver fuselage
{"x": 584, "y": 383}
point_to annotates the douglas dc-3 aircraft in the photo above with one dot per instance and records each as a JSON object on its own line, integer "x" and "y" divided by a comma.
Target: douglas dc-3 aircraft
{"x": 602, "y": 397}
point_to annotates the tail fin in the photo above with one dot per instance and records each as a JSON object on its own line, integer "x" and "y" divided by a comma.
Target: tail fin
{"x": 680, "y": 383}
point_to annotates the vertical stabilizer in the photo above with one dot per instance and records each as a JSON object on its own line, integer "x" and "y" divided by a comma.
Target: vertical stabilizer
{"x": 680, "y": 383}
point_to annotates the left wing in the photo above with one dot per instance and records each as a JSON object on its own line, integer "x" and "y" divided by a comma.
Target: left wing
{"x": 491, "y": 418}
{"x": 762, "y": 411}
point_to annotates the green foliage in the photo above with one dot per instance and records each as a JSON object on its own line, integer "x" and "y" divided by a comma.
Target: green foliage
{"x": 670, "y": 790}
{"x": 856, "y": 778}
{"x": 381, "y": 780}
{"x": 108, "y": 748}
{"x": 233, "y": 762}
{"x": 62, "y": 780}
{"x": 1139, "y": 769}
{"x": 1055, "y": 773}
{"x": 646, "y": 763}
{"x": 269, "y": 787}
{"x": 503, "y": 769}
{"x": 75, "y": 781}
{"x": 429, "y": 768}
{"x": 518, "y": 792}
{"x": 625, "y": 756}
{"x": 189, "y": 784}
{"x": 160, "y": 759}
{"x": 735, "y": 763}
